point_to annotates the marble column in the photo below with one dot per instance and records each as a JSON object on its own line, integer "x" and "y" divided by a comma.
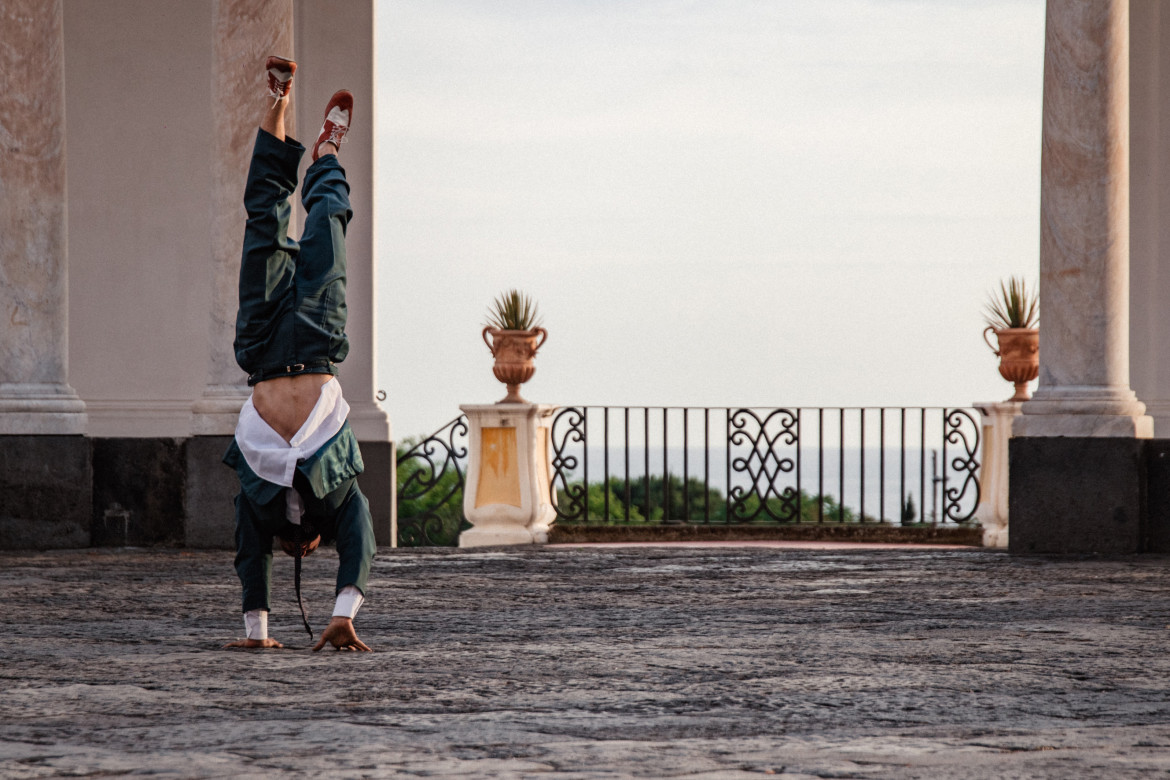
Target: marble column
{"x": 1084, "y": 386}
{"x": 35, "y": 397}
{"x": 1149, "y": 117}
{"x": 335, "y": 44}
{"x": 245, "y": 31}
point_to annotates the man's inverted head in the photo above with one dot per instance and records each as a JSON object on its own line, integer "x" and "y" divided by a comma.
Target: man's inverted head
{"x": 304, "y": 536}
{"x": 307, "y": 547}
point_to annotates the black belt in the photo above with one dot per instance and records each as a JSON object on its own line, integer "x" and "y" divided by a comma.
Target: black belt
{"x": 294, "y": 369}
{"x": 297, "y": 536}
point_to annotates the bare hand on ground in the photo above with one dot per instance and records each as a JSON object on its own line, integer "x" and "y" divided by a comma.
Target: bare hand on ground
{"x": 341, "y": 635}
{"x": 254, "y": 643}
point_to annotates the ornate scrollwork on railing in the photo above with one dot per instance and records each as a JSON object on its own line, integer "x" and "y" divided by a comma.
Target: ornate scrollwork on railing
{"x": 960, "y": 428}
{"x": 568, "y": 428}
{"x": 430, "y": 488}
{"x": 763, "y": 466}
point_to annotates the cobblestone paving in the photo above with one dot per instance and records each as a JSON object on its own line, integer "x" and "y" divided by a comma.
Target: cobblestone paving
{"x": 594, "y": 662}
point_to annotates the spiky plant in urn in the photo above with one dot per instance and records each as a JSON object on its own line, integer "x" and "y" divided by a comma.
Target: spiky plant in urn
{"x": 1013, "y": 315}
{"x": 514, "y": 326}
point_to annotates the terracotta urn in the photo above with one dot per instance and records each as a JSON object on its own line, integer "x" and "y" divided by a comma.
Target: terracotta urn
{"x": 515, "y": 353}
{"x": 1019, "y": 357}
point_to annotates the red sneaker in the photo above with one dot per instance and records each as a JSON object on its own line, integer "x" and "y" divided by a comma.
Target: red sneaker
{"x": 280, "y": 75}
{"x": 338, "y": 114}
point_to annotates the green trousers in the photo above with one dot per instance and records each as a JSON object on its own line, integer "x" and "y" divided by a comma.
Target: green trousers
{"x": 292, "y": 312}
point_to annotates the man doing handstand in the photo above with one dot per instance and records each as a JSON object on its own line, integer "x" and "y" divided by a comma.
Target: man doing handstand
{"x": 295, "y": 455}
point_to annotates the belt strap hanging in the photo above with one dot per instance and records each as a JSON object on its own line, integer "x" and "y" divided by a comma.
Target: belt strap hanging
{"x": 297, "y": 582}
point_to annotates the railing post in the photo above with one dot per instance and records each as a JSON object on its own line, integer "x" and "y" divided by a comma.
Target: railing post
{"x": 992, "y": 511}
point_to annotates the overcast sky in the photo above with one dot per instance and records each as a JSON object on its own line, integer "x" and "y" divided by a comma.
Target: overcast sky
{"x": 727, "y": 202}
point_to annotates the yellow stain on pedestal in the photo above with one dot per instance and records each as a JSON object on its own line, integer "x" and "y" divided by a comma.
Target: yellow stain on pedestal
{"x": 499, "y": 470}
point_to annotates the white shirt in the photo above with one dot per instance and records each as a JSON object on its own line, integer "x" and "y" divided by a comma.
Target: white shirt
{"x": 275, "y": 460}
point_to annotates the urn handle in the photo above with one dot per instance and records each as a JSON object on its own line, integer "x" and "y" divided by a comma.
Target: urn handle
{"x": 988, "y": 341}
{"x": 486, "y": 330}
{"x": 543, "y": 337}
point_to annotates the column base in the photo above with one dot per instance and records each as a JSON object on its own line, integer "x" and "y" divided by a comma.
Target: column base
{"x": 1076, "y": 495}
{"x": 369, "y": 421}
{"x": 1160, "y": 412}
{"x": 1084, "y": 411}
{"x": 41, "y": 410}
{"x": 497, "y": 536}
{"x": 1084, "y": 426}
{"x": 218, "y": 411}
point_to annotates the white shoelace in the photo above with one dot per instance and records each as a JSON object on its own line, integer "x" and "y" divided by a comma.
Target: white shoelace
{"x": 274, "y": 92}
{"x": 339, "y": 118}
{"x": 336, "y": 135}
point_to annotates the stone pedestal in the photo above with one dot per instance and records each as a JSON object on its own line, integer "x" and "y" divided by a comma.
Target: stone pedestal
{"x": 506, "y": 496}
{"x": 992, "y": 511}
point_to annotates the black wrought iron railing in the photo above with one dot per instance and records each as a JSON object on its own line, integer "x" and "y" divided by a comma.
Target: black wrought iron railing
{"x": 721, "y": 465}
{"x": 430, "y": 487}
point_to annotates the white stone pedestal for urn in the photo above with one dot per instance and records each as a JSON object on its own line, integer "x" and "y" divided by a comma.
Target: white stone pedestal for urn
{"x": 992, "y": 511}
{"x": 506, "y": 495}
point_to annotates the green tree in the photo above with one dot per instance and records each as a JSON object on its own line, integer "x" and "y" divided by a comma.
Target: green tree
{"x": 685, "y": 505}
{"x": 430, "y": 506}
{"x": 696, "y": 503}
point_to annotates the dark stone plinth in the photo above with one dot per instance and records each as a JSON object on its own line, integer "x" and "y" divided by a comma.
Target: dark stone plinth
{"x": 1157, "y": 496}
{"x": 378, "y": 484}
{"x": 211, "y": 493}
{"x": 73, "y": 491}
{"x": 138, "y": 491}
{"x": 211, "y": 488}
{"x": 45, "y": 492}
{"x": 1071, "y": 495}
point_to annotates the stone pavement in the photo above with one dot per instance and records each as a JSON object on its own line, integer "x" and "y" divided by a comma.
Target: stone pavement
{"x": 695, "y": 662}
